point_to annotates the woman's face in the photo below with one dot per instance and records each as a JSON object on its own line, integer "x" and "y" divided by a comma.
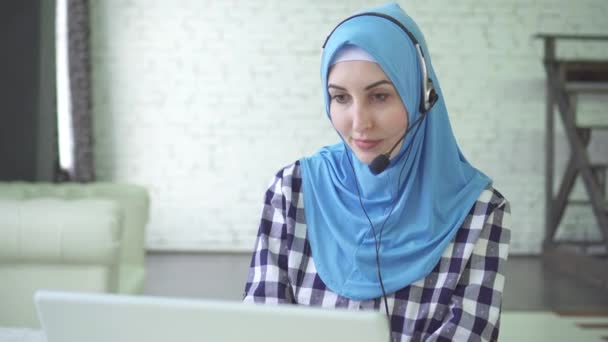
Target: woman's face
{"x": 365, "y": 108}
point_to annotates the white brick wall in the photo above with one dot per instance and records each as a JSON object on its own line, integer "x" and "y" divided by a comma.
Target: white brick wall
{"x": 203, "y": 101}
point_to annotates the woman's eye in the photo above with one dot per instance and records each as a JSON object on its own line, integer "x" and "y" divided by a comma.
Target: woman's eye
{"x": 340, "y": 98}
{"x": 380, "y": 97}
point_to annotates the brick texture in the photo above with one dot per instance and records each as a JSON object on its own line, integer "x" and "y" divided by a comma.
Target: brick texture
{"x": 202, "y": 101}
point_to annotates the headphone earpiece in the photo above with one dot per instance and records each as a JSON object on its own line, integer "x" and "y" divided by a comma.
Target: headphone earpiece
{"x": 429, "y": 98}
{"x": 432, "y": 97}
{"x": 428, "y": 95}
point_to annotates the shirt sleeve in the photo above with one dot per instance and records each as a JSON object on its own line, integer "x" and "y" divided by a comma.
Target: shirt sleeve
{"x": 475, "y": 308}
{"x": 267, "y": 280}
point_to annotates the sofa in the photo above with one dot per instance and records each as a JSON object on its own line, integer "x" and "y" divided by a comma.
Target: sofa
{"x": 69, "y": 236}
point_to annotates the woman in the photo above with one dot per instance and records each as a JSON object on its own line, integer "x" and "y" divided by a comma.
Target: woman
{"x": 393, "y": 217}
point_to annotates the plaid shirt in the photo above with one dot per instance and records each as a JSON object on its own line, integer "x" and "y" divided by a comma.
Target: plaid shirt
{"x": 460, "y": 300}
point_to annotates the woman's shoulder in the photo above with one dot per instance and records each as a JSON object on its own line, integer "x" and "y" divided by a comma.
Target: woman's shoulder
{"x": 489, "y": 216}
{"x": 486, "y": 229}
{"x": 289, "y": 171}
{"x": 285, "y": 185}
{"x": 486, "y": 215}
{"x": 488, "y": 201}
{"x": 288, "y": 176}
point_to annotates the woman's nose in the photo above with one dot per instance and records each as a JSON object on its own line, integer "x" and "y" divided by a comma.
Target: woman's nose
{"x": 362, "y": 118}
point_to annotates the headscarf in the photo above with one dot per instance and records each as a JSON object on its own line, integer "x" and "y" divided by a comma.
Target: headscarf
{"x": 425, "y": 193}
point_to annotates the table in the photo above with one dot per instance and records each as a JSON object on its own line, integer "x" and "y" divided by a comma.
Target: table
{"x": 21, "y": 335}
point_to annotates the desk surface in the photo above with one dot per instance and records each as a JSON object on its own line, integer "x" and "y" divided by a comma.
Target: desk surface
{"x": 515, "y": 327}
{"x": 21, "y": 335}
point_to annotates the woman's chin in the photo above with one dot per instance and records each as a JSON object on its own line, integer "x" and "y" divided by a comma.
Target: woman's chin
{"x": 365, "y": 157}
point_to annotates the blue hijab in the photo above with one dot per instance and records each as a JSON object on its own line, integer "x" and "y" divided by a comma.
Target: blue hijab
{"x": 432, "y": 187}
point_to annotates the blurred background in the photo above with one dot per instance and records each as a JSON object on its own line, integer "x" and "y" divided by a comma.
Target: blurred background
{"x": 201, "y": 102}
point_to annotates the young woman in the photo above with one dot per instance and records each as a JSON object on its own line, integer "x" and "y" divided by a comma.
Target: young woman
{"x": 393, "y": 217}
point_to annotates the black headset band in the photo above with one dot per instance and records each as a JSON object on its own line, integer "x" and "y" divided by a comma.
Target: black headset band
{"x": 375, "y": 14}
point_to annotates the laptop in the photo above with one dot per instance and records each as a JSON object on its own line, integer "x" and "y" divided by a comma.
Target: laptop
{"x": 93, "y": 317}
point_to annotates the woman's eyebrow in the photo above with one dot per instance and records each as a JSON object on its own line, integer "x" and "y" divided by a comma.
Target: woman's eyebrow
{"x": 335, "y": 86}
{"x": 375, "y": 84}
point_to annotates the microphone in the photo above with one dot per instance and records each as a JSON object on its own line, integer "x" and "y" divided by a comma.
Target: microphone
{"x": 380, "y": 163}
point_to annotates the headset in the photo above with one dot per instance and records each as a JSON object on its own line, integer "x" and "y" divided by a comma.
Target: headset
{"x": 428, "y": 99}
{"x": 428, "y": 94}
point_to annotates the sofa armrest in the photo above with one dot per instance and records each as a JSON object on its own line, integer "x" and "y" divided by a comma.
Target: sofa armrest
{"x": 133, "y": 199}
{"x": 46, "y": 230}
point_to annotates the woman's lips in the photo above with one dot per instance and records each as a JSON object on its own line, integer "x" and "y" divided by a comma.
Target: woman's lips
{"x": 366, "y": 144}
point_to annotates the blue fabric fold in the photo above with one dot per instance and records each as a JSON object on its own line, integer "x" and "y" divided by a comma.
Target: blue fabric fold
{"x": 432, "y": 187}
